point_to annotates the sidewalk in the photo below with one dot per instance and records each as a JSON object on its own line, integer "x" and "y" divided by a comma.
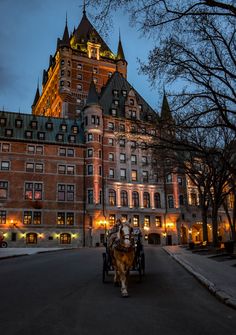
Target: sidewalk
{"x": 16, "y": 252}
{"x": 218, "y": 276}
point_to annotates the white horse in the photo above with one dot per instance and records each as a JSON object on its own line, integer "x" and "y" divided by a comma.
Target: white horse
{"x": 123, "y": 254}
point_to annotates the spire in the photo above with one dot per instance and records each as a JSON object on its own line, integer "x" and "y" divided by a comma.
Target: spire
{"x": 65, "y": 39}
{"x": 84, "y": 9}
{"x": 120, "y": 52}
{"x": 92, "y": 94}
{"x": 37, "y": 96}
{"x": 165, "y": 109}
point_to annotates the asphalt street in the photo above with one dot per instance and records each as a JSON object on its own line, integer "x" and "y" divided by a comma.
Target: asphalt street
{"x": 60, "y": 293}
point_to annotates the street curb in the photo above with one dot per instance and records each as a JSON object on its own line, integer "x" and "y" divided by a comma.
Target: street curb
{"x": 218, "y": 293}
{"x": 35, "y": 253}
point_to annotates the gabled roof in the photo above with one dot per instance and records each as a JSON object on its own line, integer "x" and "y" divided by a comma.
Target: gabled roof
{"x": 119, "y": 83}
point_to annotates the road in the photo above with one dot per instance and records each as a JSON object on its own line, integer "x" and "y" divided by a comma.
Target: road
{"x": 62, "y": 293}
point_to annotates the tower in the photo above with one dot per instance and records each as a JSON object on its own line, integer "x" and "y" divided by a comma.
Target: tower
{"x": 79, "y": 57}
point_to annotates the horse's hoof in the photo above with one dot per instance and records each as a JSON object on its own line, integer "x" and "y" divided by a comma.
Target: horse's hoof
{"x": 124, "y": 295}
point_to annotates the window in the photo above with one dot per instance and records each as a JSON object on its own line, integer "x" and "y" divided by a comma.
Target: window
{"x": 90, "y": 197}
{"x": 100, "y": 153}
{"x": 70, "y": 152}
{"x": 90, "y": 152}
{"x": 3, "y": 217}
{"x": 90, "y": 137}
{"x": 90, "y": 170}
{"x": 60, "y": 137}
{"x": 33, "y": 191}
{"x": 124, "y": 93}
{"x": 31, "y": 238}
{"x": 111, "y": 126}
{"x": 41, "y": 135}
{"x": 122, "y": 174}
{"x": 28, "y": 134}
{"x": 113, "y": 112}
{"x": 63, "y": 127}
{"x": 111, "y": 173}
{"x": 100, "y": 170}
{"x": 122, "y": 127}
{"x": 79, "y": 66}
{"x": 5, "y": 147}
{"x": 74, "y": 129}
{"x": 95, "y": 70}
{"x": 133, "y": 144}
{"x": 65, "y": 192}
{"x": 134, "y": 175}
{"x": 70, "y": 169}
{"x": 93, "y": 119}
{"x": 170, "y": 200}
{"x": 133, "y": 115}
{"x": 72, "y": 138}
{"x": 158, "y": 222}
{"x": 3, "y": 189}
{"x": 18, "y": 123}
{"x": 79, "y": 87}
{"x": 8, "y": 132}
{"x": 124, "y": 198}
{"x": 5, "y": 165}
{"x": 65, "y": 238}
{"x": 61, "y": 169}
{"x": 112, "y": 198}
{"x": 146, "y": 200}
{"x": 34, "y": 124}
{"x": 133, "y": 159}
{"x": 144, "y": 160}
{"x": 180, "y": 180}
{"x": 111, "y": 141}
{"x": 32, "y": 217}
{"x": 169, "y": 178}
{"x": 62, "y": 152}
{"x": 116, "y": 102}
{"x": 122, "y": 142}
{"x": 60, "y": 218}
{"x": 157, "y": 200}
{"x": 145, "y": 176}
{"x": 135, "y": 199}
{"x": 3, "y": 121}
{"x": 131, "y": 102}
{"x": 122, "y": 158}
{"x": 136, "y": 220}
{"x": 29, "y": 167}
{"x": 39, "y": 167}
{"x": 146, "y": 221}
{"x": 49, "y": 125}
{"x": 31, "y": 149}
{"x": 111, "y": 156}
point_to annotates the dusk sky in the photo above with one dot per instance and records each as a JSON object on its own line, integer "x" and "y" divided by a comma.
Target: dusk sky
{"x": 28, "y": 34}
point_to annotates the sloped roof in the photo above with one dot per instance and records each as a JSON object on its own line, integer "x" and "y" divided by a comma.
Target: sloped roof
{"x": 19, "y": 133}
{"x": 84, "y": 32}
{"x": 119, "y": 83}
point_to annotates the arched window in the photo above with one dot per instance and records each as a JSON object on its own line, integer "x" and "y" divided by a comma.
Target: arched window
{"x": 157, "y": 200}
{"x": 124, "y": 198}
{"x": 31, "y": 238}
{"x": 65, "y": 238}
{"x": 112, "y": 198}
{"x": 146, "y": 200}
{"x": 135, "y": 199}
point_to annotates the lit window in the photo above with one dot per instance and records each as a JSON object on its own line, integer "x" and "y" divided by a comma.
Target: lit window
{"x": 111, "y": 173}
{"x": 3, "y": 217}
{"x": 112, "y": 198}
{"x": 65, "y": 238}
{"x": 146, "y": 221}
{"x": 158, "y": 222}
{"x": 134, "y": 175}
{"x": 5, "y": 165}
{"x": 3, "y": 189}
{"x": 136, "y": 220}
{"x": 146, "y": 200}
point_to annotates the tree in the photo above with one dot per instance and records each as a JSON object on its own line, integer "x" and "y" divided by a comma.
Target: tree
{"x": 195, "y": 47}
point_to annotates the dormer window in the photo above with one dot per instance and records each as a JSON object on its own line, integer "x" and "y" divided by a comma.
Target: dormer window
{"x": 49, "y": 125}
{"x": 124, "y": 93}
{"x": 113, "y": 112}
{"x": 3, "y": 121}
{"x": 115, "y": 93}
{"x": 18, "y": 123}
{"x": 34, "y": 124}
{"x": 60, "y": 137}
{"x": 9, "y": 132}
{"x": 28, "y": 134}
{"x": 72, "y": 138}
{"x": 63, "y": 127}
{"x": 116, "y": 102}
{"x": 75, "y": 129}
{"x": 131, "y": 102}
{"x": 41, "y": 135}
{"x": 140, "y": 107}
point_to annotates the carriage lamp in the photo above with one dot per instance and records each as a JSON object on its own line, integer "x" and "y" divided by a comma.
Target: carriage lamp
{"x": 5, "y": 235}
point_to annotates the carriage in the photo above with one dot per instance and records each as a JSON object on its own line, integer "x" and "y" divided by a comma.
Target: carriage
{"x": 138, "y": 265}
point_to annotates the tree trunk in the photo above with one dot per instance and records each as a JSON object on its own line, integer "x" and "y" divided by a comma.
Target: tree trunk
{"x": 215, "y": 227}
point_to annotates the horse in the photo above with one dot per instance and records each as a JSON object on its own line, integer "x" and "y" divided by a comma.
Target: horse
{"x": 122, "y": 251}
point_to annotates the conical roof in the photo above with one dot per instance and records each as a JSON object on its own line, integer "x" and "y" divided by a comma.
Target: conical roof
{"x": 165, "y": 109}
{"x": 92, "y": 95}
{"x": 120, "y": 51}
{"x": 37, "y": 96}
{"x": 66, "y": 38}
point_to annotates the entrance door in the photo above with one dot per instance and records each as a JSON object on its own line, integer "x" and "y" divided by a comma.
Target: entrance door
{"x": 169, "y": 239}
{"x": 154, "y": 238}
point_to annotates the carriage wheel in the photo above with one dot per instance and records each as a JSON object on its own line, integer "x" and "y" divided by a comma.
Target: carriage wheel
{"x": 3, "y": 244}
